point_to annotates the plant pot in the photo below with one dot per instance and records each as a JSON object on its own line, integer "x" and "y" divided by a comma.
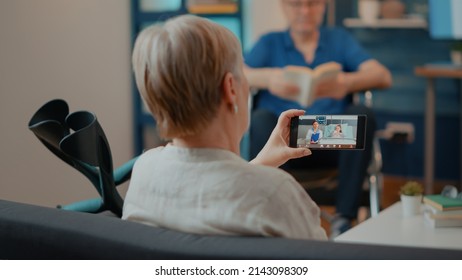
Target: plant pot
{"x": 411, "y": 204}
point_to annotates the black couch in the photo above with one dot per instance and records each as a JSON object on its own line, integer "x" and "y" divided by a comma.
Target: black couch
{"x": 35, "y": 232}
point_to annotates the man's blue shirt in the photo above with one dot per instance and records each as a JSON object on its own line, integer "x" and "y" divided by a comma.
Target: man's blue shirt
{"x": 277, "y": 49}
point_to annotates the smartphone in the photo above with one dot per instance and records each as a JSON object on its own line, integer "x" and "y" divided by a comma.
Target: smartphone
{"x": 328, "y": 132}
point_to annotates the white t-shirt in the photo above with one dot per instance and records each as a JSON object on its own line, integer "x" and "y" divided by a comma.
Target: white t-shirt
{"x": 213, "y": 191}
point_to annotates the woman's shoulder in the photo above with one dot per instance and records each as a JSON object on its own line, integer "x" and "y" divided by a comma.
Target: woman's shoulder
{"x": 148, "y": 155}
{"x": 151, "y": 152}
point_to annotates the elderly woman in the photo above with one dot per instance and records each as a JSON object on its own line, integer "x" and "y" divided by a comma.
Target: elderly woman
{"x": 189, "y": 72}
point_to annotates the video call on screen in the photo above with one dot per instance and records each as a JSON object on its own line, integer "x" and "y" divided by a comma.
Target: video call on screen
{"x": 333, "y": 131}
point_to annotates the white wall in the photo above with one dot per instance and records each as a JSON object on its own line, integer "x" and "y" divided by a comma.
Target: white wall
{"x": 261, "y": 16}
{"x": 75, "y": 50}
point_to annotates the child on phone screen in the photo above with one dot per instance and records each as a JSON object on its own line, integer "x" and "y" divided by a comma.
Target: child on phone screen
{"x": 337, "y": 133}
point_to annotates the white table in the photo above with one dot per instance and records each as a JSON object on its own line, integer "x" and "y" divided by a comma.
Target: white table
{"x": 391, "y": 228}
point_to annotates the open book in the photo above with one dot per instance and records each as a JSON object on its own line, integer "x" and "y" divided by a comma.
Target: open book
{"x": 307, "y": 79}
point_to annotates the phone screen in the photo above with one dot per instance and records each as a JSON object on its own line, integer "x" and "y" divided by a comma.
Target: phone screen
{"x": 330, "y": 132}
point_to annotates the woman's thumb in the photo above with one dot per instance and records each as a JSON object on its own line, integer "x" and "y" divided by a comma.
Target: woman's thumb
{"x": 300, "y": 152}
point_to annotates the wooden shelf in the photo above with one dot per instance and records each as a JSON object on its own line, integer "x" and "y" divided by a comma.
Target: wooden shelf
{"x": 438, "y": 70}
{"x": 213, "y": 9}
{"x": 408, "y": 22}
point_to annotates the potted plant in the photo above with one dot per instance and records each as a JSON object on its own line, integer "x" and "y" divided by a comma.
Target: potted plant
{"x": 456, "y": 53}
{"x": 411, "y": 197}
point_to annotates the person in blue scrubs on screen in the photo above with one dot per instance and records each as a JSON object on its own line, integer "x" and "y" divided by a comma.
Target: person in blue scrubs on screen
{"x": 307, "y": 43}
{"x": 314, "y": 134}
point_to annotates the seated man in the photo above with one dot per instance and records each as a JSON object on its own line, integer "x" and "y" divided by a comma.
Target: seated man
{"x": 308, "y": 44}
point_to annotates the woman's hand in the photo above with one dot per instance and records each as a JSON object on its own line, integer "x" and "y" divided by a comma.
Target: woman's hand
{"x": 277, "y": 151}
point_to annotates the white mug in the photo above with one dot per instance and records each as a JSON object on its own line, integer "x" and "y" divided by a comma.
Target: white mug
{"x": 369, "y": 10}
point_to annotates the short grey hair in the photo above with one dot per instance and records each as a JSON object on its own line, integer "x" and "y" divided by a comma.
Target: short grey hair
{"x": 179, "y": 69}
